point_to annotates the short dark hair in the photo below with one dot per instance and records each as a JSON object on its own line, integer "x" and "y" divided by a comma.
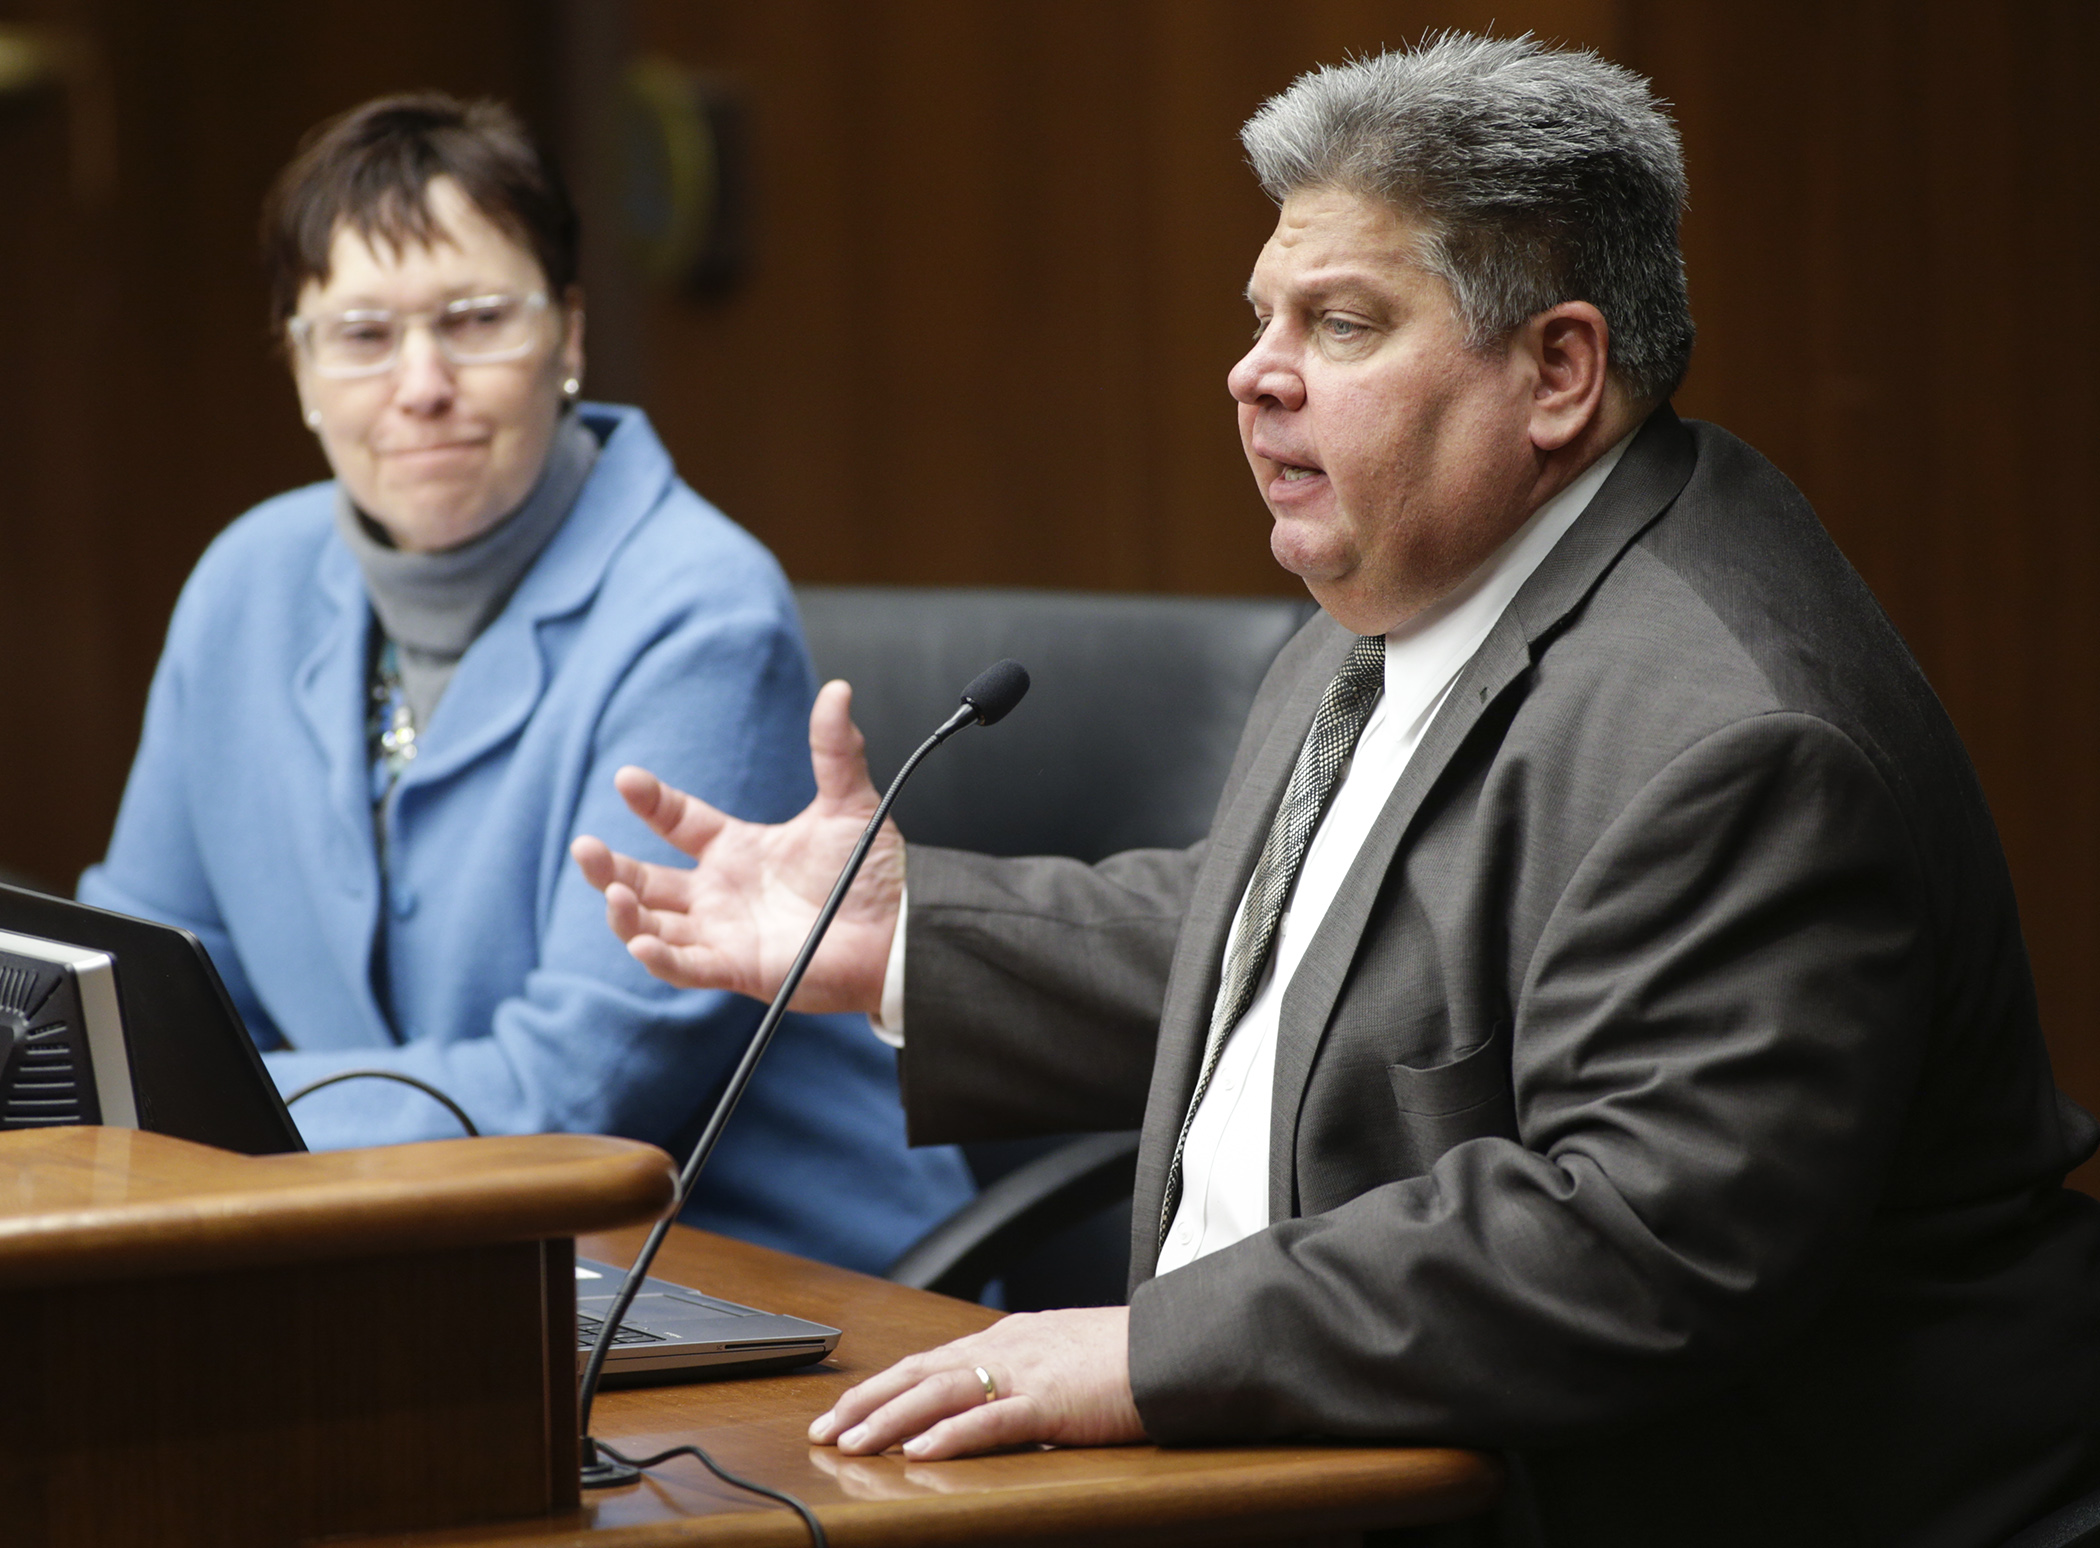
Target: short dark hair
{"x": 1539, "y": 175}
{"x": 371, "y": 168}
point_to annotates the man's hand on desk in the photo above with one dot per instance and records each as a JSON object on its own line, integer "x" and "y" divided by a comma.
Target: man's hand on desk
{"x": 737, "y": 919}
{"x": 1062, "y": 1377}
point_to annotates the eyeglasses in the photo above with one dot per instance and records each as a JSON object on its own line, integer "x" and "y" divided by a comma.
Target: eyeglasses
{"x": 477, "y": 330}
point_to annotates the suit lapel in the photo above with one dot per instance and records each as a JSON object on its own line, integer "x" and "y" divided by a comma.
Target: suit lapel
{"x": 1309, "y": 999}
{"x": 1654, "y": 468}
{"x": 1234, "y": 845}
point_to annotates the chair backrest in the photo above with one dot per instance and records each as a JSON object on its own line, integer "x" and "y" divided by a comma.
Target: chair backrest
{"x": 1125, "y": 737}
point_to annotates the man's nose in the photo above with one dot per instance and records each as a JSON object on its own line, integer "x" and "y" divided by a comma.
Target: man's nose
{"x": 423, "y": 381}
{"x": 1265, "y": 374}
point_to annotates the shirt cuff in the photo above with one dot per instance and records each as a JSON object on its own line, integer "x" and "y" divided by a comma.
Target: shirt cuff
{"x": 888, "y": 1024}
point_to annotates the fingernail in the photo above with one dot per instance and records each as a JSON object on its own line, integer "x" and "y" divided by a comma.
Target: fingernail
{"x": 915, "y": 1445}
{"x": 819, "y": 1425}
{"x": 854, "y": 1436}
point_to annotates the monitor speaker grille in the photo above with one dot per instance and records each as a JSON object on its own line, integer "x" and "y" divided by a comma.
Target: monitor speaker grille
{"x": 43, "y": 1081}
{"x": 22, "y": 989}
{"x": 46, "y": 1077}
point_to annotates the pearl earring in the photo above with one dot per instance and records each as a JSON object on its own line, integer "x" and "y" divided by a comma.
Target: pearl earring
{"x": 571, "y": 389}
{"x": 313, "y": 419}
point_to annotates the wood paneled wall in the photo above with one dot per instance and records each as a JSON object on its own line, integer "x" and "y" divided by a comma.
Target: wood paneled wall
{"x": 999, "y": 250}
{"x": 1894, "y": 254}
{"x": 142, "y": 406}
{"x": 1002, "y": 254}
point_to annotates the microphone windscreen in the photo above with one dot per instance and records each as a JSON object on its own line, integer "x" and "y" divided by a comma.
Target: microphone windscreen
{"x": 996, "y": 690}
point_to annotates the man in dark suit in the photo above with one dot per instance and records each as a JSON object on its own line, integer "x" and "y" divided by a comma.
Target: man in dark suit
{"x": 1597, "y": 1025}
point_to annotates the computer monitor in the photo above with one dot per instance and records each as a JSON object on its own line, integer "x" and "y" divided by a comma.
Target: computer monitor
{"x": 109, "y": 1019}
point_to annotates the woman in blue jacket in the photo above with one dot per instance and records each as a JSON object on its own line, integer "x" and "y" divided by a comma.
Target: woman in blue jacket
{"x": 388, "y": 703}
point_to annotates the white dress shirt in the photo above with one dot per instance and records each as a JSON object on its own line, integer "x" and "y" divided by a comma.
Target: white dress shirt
{"x": 1225, "y": 1169}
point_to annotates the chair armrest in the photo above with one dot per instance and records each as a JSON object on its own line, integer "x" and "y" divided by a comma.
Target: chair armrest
{"x": 1028, "y": 1205}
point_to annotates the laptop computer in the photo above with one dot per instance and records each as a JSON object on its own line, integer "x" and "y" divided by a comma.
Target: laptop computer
{"x": 672, "y": 1333}
{"x": 107, "y": 1019}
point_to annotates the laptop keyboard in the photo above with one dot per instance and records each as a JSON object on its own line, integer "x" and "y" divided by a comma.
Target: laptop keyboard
{"x": 587, "y": 1333}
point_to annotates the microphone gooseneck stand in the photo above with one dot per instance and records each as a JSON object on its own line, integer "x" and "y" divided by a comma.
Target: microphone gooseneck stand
{"x": 991, "y": 694}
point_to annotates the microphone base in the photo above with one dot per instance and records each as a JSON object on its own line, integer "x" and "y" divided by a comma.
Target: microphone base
{"x": 601, "y": 1471}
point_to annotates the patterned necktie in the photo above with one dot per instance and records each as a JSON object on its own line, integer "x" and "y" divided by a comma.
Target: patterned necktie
{"x": 1344, "y": 709}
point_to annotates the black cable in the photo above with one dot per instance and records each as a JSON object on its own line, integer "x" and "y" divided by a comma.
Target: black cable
{"x": 809, "y": 1517}
{"x": 423, "y": 1086}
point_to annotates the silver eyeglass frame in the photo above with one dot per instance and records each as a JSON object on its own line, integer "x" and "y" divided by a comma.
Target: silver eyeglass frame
{"x": 300, "y": 329}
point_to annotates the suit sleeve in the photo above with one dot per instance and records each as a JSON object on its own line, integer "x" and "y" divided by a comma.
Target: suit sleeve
{"x": 1033, "y": 989}
{"x": 1711, "y": 1050}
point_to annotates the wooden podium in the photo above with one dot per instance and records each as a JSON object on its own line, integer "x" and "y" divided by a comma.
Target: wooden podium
{"x": 203, "y": 1348}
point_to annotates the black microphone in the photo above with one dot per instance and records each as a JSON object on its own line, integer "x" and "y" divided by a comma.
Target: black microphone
{"x": 992, "y": 694}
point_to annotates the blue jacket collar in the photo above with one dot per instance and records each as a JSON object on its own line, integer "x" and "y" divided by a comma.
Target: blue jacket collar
{"x": 503, "y": 673}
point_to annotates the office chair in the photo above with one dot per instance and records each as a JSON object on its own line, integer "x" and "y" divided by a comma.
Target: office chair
{"x": 1055, "y": 1197}
{"x": 1123, "y": 742}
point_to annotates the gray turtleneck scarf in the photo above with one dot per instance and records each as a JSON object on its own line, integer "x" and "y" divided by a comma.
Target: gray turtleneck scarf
{"x": 433, "y": 606}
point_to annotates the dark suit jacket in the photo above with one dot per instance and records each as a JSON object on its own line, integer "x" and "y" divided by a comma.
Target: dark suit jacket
{"x": 1663, "y": 1097}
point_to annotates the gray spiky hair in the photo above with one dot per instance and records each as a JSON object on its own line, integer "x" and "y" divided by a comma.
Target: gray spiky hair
{"x": 1537, "y": 175}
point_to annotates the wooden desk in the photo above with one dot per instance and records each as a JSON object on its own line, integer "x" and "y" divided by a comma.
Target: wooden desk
{"x": 250, "y": 1351}
{"x": 1102, "y": 1497}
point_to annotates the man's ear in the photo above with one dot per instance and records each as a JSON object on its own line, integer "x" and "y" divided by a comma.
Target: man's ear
{"x": 1569, "y": 348}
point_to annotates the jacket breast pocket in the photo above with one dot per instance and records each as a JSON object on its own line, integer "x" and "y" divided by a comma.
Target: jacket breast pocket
{"x": 1447, "y": 1104}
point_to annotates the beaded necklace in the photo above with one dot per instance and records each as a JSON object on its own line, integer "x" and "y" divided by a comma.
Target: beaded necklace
{"x": 390, "y": 728}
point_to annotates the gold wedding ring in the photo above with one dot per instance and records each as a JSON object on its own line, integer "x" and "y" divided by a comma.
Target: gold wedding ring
{"x": 991, "y": 1387}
